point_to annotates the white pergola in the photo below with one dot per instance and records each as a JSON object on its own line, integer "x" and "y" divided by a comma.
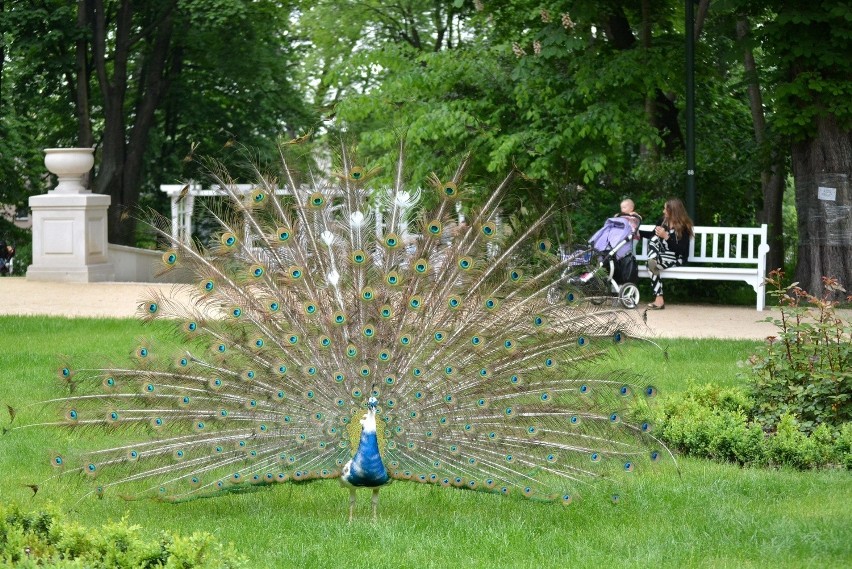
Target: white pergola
{"x": 183, "y": 203}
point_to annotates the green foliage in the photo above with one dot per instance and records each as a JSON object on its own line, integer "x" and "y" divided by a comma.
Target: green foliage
{"x": 718, "y": 423}
{"x": 712, "y": 422}
{"x": 799, "y": 410}
{"x": 809, "y": 41}
{"x": 45, "y": 538}
{"x": 805, "y": 371}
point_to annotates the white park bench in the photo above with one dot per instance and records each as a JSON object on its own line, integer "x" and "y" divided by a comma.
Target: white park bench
{"x": 719, "y": 254}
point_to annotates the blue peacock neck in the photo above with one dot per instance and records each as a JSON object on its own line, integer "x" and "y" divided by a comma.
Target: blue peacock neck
{"x": 366, "y": 467}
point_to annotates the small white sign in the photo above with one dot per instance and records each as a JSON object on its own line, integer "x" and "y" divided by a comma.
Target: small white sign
{"x": 827, "y": 194}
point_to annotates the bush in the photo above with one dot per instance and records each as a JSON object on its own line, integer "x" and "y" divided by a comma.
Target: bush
{"x": 713, "y": 422}
{"x": 46, "y": 540}
{"x": 805, "y": 371}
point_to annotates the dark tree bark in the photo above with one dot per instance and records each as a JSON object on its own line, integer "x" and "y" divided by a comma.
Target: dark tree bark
{"x": 123, "y": 148}
{"x": 772, "y": 177}
{"x": 85, "y": 138}
{"x": 822, "y": 167}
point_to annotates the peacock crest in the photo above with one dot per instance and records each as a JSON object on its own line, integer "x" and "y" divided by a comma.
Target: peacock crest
{"x": 313, "y": 311}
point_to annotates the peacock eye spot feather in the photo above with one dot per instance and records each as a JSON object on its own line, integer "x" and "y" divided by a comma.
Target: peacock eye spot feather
{"x": 152, "y": 307}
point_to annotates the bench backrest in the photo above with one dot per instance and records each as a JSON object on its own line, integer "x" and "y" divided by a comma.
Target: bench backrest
{"x": 734, "y": 245}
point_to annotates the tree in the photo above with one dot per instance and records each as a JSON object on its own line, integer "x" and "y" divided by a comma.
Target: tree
{"x": 144, "y": 82}
{"x": 140, "y": 52}
{"x": 586, "y": 104}
{"x": 809, "y": 41}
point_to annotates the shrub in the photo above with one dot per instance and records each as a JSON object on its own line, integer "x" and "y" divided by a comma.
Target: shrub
{"x": 45, "y": 539}
{"x": 805, "y": 371}
{"x": 713, "y": 422}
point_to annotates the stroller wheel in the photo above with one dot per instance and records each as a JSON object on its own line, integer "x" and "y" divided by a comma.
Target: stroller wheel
{"x": 628, "y": 294}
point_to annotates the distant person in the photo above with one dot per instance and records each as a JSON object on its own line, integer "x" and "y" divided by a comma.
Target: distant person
{"x": 668, "y": 246}
{"x": 7, "y": 251}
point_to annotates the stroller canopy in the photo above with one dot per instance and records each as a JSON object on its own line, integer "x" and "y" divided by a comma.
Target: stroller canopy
{"x": 615, "y": 235}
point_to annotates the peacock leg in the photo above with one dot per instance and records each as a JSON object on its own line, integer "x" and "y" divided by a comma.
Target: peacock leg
{"x": 351, "y": 503}
{"x": 375, "y": 501}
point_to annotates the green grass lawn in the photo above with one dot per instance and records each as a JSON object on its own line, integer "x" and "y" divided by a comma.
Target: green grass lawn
{"x": 709, "y": 515}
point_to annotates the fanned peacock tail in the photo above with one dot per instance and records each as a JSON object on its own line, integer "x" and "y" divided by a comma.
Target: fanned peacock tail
{"x": 303, "y": 308}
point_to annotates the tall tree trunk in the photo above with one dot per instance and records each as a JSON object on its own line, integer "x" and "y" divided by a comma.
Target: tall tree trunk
{"x": 822, "y": 167}
{"x": 772, "y": 175}
{"x": 81, "y": 102}
{"x": 123, "y": 150}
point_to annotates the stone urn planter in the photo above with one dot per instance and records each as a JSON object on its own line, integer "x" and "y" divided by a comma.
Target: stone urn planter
{"x": 70, "y": 223}
{"x": 69, "y": 165}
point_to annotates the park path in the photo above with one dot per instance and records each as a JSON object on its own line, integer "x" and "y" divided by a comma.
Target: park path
{"x": 119, "y": 300}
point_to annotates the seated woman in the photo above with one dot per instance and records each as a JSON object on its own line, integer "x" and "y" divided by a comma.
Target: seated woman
{"x": 668, "y": 246}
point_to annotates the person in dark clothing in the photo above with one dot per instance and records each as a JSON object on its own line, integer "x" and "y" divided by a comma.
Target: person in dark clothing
{"x": 668, "y": 246}
{"x": 7, "y": 251}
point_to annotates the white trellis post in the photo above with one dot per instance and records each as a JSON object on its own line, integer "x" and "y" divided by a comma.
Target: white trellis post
{"x": 183, "y": 202}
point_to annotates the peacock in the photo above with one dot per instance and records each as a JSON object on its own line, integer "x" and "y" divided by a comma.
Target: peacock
{"x": 339, "y": 330}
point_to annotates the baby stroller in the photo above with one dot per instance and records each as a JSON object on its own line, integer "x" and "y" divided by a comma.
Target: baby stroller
{"x": 616, "y": 272}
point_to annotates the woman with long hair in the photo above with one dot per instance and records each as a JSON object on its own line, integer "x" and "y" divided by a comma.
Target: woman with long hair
{"x": 669, "y": 246}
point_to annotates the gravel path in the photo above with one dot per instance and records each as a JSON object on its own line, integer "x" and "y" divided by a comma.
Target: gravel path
{"x": 120, "y": 300}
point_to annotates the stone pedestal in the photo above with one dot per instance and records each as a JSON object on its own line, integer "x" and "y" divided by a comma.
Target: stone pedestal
{"x": 70, "y": 224}
{"x": 70, "y": 238}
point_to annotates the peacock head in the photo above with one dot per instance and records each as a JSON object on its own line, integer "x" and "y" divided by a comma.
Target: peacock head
{"x": 368, "y": 421}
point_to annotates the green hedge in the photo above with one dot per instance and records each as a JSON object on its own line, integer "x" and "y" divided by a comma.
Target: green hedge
{"x": 714, "y": 422}
{"x": 46, "y": 539}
